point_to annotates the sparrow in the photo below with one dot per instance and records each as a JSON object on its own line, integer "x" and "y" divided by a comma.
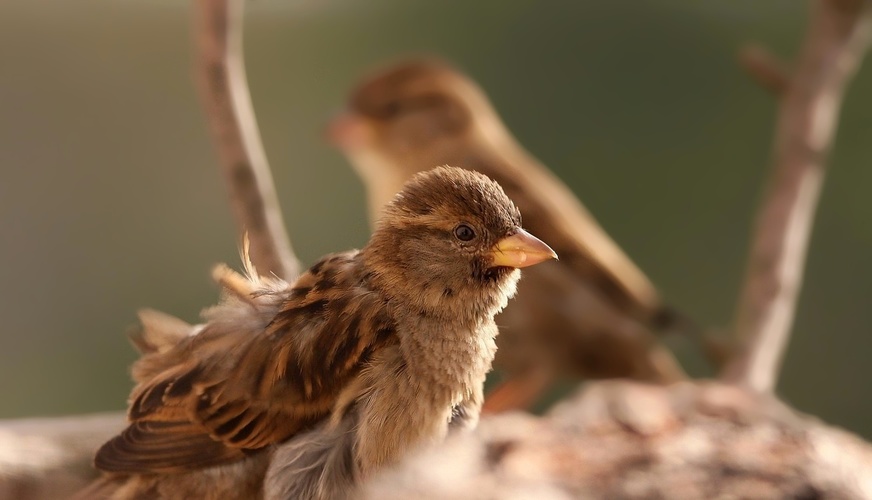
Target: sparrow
{"x": 589, "y": 315}
{"x": 303, "y": 390}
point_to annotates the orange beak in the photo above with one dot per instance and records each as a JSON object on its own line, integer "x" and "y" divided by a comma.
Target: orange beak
{"x": 521, "y": 249}
{"x": 347, "y": 131}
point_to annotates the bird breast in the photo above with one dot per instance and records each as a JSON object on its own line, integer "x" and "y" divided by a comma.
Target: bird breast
{"x": 447, "y": 360}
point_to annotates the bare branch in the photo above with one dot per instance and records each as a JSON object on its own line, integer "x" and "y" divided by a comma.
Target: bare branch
{"x": 220, "y": 72}
{"x": 765, "y": 68}
{"x": 837, "y": 37}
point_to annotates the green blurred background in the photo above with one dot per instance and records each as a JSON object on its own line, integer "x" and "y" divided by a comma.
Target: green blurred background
{"x": 110, "y": 199}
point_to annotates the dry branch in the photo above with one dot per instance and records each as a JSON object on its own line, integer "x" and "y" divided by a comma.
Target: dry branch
{"x": 220, "y": 72}
{"x": 836, "y": 39}
{"x": 632, "y": 441}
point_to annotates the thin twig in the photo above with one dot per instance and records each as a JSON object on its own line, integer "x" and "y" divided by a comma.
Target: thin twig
{"x": 220, "y": 72}
{"x": 837, "y": 36}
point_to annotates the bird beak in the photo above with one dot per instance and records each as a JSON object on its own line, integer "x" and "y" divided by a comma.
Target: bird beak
{"x": 347, "y": 130}
{"x": 521, "y": 249}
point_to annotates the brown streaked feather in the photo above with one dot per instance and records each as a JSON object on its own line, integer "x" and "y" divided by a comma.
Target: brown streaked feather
{"x": 263, "y": 369}
{"x": 146, "y": 446}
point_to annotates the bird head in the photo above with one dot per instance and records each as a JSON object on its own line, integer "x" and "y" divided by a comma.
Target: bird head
{"x": 452, "y": 236}
{"x": 411, "y": 105}
{"x": 409, "y": 117}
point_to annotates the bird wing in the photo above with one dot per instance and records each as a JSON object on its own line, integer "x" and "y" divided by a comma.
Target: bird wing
{"x": 259, "y": 372}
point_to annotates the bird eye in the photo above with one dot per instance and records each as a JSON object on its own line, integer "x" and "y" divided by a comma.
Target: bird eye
{"x": 464, "y": 233}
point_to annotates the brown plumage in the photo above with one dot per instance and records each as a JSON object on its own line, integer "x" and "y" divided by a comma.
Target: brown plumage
{"x": 592, "y": 313}
{"x": 392, "y": 341}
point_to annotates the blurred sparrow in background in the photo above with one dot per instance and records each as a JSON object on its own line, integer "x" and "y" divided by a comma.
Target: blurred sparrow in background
{"x": 592, "y": 313}
{"x": 367, "y": 355}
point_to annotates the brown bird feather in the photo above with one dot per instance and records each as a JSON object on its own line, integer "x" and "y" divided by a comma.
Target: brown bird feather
{"x": 391, "y": 340}
{"x": 228, "y": 390}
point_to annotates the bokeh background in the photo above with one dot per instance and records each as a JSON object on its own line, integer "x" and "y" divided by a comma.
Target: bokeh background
{"x": 111, "y": 200}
